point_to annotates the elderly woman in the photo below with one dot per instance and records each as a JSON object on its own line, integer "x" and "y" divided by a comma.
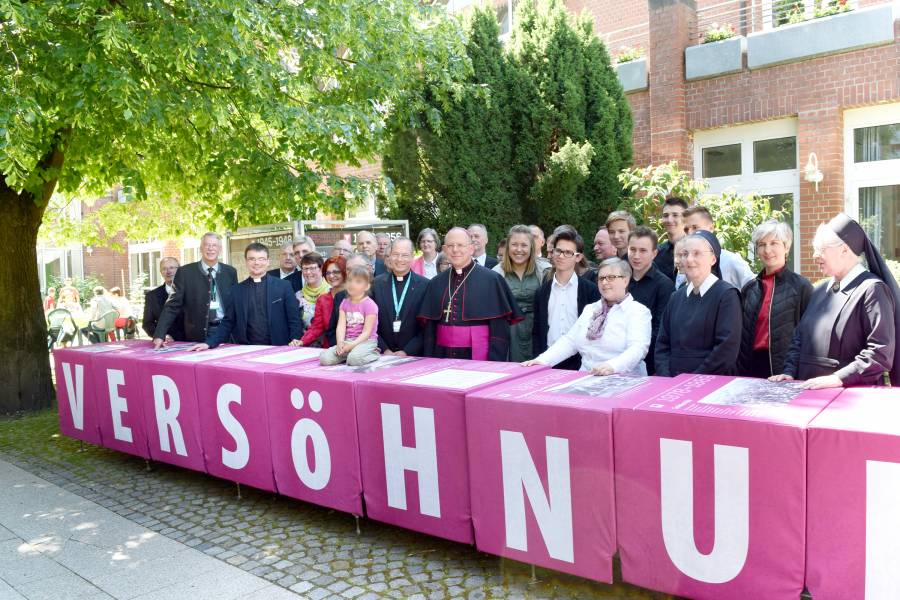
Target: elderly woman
{"x": 335, "y": 269}
{"x": 524, "y": 277}
{"x": 314, "y": 285}
{"x": 443, "y": 262}
{"x": 612, "y": 335}
{"x": 848, "y": 334}
{"x": 773, "y": 303}
{"x": 700, "y": 331}
{"x": 426, "y": 265}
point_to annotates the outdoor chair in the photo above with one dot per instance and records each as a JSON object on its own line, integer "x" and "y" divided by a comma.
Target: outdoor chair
{"x": 61, "y": 328}
{"x": 99, "y": 329}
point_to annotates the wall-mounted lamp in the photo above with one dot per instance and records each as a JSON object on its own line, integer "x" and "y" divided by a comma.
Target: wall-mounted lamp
{"x": 811, "y": 172}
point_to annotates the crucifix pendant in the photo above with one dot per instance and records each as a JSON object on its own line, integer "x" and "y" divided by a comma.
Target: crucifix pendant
{"x": 447, "y": 312}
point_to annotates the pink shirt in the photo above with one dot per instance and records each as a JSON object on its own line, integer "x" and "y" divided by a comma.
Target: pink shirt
{"x": 355, "y": 315}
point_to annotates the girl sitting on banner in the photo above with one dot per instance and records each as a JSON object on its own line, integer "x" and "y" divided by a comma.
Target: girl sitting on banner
{"x": 612, "y": 335}
{"x": 848, "y": 334}
{"x": 356, "y": 340}
{"x": 700, "y": 331}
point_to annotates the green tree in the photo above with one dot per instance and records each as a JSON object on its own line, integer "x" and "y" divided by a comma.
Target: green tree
{"x": 450, "y": 165}
{"x": 539, "y": 136}
{"x": 232, "y": 112}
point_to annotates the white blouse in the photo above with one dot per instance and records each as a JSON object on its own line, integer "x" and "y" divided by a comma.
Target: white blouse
{"x": 623, "y": 345}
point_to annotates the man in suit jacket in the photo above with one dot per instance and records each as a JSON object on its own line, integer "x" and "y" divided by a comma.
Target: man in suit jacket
{"x": 263, "y": 309}
{"x": 560, "y": 301}
{"x": 399, "y": 330}
{"x": 155, "y": 300}
{"x": 479, "y": 235}
{"x": 202, "y": 294}
{"x": 287, "y": 268}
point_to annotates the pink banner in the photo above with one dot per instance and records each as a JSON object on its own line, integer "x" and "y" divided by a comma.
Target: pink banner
{"x": 169, "y": 403}
{"x": 541, "y": 467}
{"x": 412, "y": 441}
{"x": 853, "y": 518}
{"x": 75, "y": 389}
{"x": 312, "y": 427}
{"x": 710, "y": 488}
{"x": 120, "y": 415}
{"x": 234, "y": 424}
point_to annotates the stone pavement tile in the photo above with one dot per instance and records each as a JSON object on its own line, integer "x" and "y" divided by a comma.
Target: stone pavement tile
{"x": 271, "y": 592}
{"x": 158, "y": 573}
{"x": 6, "y": 534}
{"x": 68, "y": 585}
{"x": 19, "y": 564}
{"x": 8, "y": 593}
{"x": 210, "y": 586}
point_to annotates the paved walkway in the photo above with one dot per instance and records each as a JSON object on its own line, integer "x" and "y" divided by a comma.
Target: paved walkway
{"x": 54, "y": 544}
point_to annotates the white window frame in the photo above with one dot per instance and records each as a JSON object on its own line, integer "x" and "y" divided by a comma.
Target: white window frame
{"x": 867, "y": 174}
{"x": 145, "y": 248}
{"x": 770, "y": 183}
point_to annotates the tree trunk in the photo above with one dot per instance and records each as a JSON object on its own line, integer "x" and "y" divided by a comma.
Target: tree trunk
{"x": 25, "y": 383}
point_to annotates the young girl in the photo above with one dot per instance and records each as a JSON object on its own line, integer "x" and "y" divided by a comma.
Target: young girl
{"x": 357, "y": 342}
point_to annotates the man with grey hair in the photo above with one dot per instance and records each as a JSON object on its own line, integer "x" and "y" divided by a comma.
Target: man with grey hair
{"x": 479, "y": 235}
{"x": 468, "y": 309}
{"x": 155, "y": 300}
{"x": 202, "y": 294}
{"x": 383, "y": 240}
{"x": 342, "y": 248}
{"x": 367, "y": 244}
{"x": 398, "y": 294}
{"x": 287, "y": 268}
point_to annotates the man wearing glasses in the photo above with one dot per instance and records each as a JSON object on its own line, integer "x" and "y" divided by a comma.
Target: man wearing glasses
{"x": 398, "y": 294}
{"x": 263, "y": 309}
{"x": 202, "y": 294}
{"x": 559, "y": 302}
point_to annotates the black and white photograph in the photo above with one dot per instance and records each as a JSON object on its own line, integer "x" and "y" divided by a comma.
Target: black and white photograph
{"x": 754, "y": 392}
{"x": 599, "y": 387}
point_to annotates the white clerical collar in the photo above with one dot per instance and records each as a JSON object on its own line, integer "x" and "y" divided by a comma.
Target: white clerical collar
{"x": 850, "y": 276}
{"x": 573, "y": 280}
{"x": 257, "y": 279}
{"x": 704, "y": 287}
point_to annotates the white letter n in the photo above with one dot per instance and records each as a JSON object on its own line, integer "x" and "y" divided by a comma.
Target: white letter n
{"x": 552, "y": 511}
{"x": 732, "y": 510}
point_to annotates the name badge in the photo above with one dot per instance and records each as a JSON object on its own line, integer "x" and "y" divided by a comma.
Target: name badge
{"x": 396, "y": 326}
{"x": 214, "y": 305}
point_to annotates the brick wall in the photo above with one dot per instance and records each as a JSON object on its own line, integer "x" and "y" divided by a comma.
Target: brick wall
{"x": 104, "y": 263}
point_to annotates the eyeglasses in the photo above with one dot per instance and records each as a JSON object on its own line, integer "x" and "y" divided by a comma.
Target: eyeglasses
{"x": 332, "y": 273}
{"x": 400, "y": 256}
{"x": 456, "y": 246}
{"x": 258, "y": 259}
{"x": 609, "y": 278}
{"x": 566, "y": 253}
{"x": 693, "y": 254}
{"x": 311, "y": 269}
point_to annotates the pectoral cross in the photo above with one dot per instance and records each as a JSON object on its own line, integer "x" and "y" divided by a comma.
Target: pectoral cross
{"x": 448, "y": 311}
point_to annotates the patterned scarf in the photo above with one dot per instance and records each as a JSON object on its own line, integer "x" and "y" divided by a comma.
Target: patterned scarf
{"x": 310, "y": 294}
{"x": 598, "y": 320}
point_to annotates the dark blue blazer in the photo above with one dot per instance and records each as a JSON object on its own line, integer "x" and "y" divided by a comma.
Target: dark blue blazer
{"x": 283, "y": 309}
{"x": 409, "y": 339}
{"x": 295, "y": 278}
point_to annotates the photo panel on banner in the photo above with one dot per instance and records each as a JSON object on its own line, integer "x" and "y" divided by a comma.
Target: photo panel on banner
{"x": 541, "y": 467}
{"x": 169, "y": 397}
{"x": 233, "y": 408}
{"x": 412, "y": 441}
{"x": 853, "y": 497}
{"x": 738, "y": 444}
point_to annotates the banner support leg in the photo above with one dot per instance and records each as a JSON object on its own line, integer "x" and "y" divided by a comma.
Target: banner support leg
{"x": 239, "y": 490}
{"x": 358, "y": 532}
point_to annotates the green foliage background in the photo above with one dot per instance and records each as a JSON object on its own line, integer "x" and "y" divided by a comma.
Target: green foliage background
{"x": 538, "y": 136}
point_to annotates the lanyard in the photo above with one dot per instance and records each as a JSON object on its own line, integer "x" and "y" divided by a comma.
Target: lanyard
{"x": 399, "y": 305}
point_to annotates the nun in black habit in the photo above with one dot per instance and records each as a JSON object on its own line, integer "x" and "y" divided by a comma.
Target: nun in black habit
{"x": 848, "y": 334}
{"x": 700, "y": 330}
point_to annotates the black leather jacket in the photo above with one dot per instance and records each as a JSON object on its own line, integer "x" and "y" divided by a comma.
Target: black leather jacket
{"x": 789, "y": 300}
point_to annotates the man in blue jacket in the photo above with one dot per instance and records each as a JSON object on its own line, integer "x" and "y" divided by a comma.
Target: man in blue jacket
{"x": 263, "y": 309}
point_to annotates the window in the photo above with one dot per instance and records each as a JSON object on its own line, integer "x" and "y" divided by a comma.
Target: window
{"x": 777, "y": 154}
{"x": 872, "y": 173}
{"x": 144, "y": 267}
{"x": 879, "y": 214}
{"x": 722, "y": 161}
{"x": 881, "y": 142}
{"x": 758, "y": 158}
